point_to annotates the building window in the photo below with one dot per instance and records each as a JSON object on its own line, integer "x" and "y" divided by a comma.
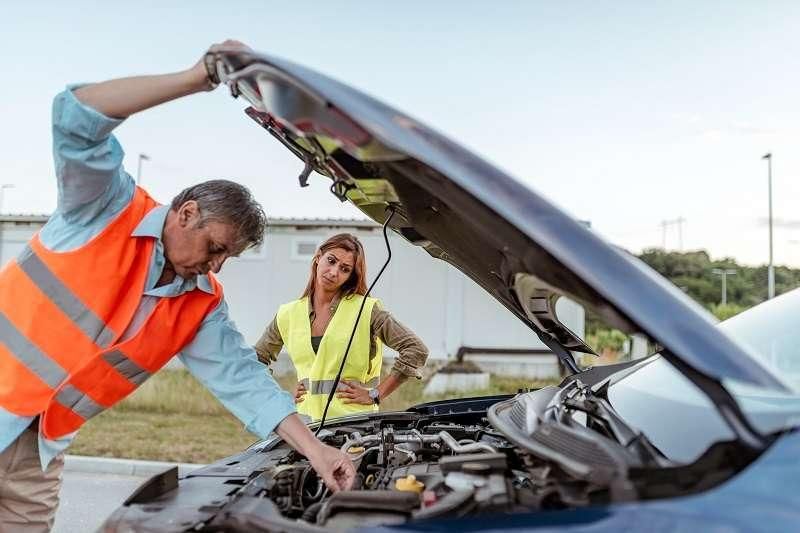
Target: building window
{"x": 304, "y": 249}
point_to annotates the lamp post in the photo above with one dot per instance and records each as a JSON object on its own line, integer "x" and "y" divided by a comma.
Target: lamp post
{"x": 724, "y": 272}
{"x": 770, "y": 267}
{"x": 142, "y": 157}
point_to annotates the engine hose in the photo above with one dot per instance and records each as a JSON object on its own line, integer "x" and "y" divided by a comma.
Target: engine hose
{"x": 415, "y": 436}
{"x": 311, "y": 512}
{"x": 464, "y": 448}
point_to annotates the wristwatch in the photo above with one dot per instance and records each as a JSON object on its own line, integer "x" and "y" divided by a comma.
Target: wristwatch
{"x": 375, "y": 394}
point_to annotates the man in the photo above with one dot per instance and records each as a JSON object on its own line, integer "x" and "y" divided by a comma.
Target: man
{"x": 111, "y": 288}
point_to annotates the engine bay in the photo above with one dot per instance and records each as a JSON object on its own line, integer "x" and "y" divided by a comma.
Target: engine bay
{"x": 406, "y": 473}
{"x": 408, "y": 469}
{"x": 449, "y": 460}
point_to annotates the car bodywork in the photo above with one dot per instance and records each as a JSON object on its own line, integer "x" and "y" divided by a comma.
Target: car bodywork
{"x": 506, "y": 457}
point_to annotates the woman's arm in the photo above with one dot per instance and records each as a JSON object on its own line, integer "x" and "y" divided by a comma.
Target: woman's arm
{"x": 269, "y": 345}
{"x": 412, "y": 354}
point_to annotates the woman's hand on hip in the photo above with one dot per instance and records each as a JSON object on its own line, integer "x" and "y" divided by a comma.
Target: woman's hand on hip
{"x": 299, "y": 392}
{"x": 350, "y": 392}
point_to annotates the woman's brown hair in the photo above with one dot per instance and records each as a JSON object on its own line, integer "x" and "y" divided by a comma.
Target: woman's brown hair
{"x": 357, "y": 282}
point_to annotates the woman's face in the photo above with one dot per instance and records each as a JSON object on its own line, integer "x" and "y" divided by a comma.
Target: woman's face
{"x": 334, "y": 268}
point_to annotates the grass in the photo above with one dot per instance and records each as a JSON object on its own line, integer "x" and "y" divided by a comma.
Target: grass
{"x": 172, "y": 417}
{"x": 179, "y": 437}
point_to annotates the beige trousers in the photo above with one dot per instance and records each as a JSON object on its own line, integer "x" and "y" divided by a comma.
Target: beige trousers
{"x": 28, "y": 496}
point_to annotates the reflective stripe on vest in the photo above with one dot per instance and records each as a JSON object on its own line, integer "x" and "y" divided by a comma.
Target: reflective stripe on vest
{"x": 29, "y": 355}
{"x": 325, "y": 386}
{"x": 126, "y": 367}
{"x": 61, "y": 314}
{"x": 78, "y": 402}
{"x": 318, "y": 371}
{"x": 59, "y": 294}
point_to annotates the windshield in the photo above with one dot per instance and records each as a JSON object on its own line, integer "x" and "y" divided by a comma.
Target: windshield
{"x": 682, "y": 421}
{"x": 770, "y": 331}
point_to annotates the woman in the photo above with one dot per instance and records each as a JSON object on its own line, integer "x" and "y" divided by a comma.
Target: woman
{"x": 316, "y": 329}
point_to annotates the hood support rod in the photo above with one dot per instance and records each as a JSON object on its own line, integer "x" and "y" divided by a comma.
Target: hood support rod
{"x": 562, "y": 353}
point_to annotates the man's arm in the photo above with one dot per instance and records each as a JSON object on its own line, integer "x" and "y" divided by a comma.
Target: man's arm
{"x": 221, "y": 360}
{"x": 123, "y": 97}
{"x": 92, "y": 185}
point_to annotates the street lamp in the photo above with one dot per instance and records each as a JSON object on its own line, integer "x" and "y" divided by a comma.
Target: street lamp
{"x": 724, "y": 272}
{"x": 142, "y": 157}
{"x": 770, "y": 268}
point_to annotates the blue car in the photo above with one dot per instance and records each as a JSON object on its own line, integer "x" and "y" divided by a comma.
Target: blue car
{"x": 698, "y": 436}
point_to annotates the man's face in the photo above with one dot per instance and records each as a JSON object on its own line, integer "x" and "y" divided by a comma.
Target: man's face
{"x": 195, "y": 249}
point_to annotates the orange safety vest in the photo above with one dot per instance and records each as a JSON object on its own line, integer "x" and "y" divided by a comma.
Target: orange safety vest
{"x": 62, "y": 315}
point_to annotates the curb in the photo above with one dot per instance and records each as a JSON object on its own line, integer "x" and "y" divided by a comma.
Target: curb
{"x": 123, "y": 467}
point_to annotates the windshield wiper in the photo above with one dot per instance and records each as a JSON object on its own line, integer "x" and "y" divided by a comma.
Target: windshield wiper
{"x": 596, "y": 406}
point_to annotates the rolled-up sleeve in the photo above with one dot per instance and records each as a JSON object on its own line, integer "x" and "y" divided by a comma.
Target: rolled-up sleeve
{"x": 221, "y": 360}
{"x": 269, "y": 345}
{"x": 411, "y": 351}
{"x": 88, "y": 159}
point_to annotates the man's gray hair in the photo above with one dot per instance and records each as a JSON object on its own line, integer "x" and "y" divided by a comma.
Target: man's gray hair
{"x": 228, "y": 203}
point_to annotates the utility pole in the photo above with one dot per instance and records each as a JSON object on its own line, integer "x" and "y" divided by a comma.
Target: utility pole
{"x": 724, "y": 272}
{"x": 770, "y": 268}
{"x": 675, "y": 221}
{"x": 142, "y": 157}
{"x": 679, "y": 221}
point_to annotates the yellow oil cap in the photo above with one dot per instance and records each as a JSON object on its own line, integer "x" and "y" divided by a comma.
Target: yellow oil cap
{"x": 409, "y": 484}
{"x": 355, "y": 449}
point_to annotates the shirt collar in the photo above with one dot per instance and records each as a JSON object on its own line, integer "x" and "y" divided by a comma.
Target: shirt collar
{"x": 334, "y": 304}
{"x": 152, "y": 225}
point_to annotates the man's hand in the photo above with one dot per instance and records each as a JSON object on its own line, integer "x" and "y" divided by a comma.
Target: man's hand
{"x": 299, "y": 392}
{"x": 200, "y": 70}
{"x": 351, "y": 392}
{"x": 333, "y": 466}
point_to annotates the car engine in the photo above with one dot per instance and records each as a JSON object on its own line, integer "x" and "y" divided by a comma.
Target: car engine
{"x": 438, "y": 461}
{"x": 407, "y": 470}
{"x": 402, "y": 474}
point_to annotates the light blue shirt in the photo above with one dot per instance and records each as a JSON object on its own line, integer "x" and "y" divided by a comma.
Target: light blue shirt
{"x": 92, "y": 189}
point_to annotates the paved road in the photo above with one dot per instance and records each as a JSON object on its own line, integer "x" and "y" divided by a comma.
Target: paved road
{"x": 88, "y": 499}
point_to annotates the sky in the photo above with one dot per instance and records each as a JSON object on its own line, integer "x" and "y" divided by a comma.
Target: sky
{"x": 625, "y": 114}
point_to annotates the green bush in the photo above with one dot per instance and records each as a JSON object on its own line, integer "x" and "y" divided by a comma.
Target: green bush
{"x": 726, "y": 311}
{"x": 606, "y": 340}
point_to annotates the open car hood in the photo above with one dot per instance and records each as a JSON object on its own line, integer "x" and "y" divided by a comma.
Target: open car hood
{"x": 519, "y": 247}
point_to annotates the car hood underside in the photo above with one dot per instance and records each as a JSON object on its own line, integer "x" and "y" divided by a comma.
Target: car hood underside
{"x": 519, "y": 247}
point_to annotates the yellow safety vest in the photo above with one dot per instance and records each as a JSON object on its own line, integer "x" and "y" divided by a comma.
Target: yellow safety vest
{"x": 318, "y": 371}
